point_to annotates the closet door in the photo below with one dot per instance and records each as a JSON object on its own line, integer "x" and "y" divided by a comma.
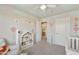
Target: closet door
{"x": 60, "y": 32}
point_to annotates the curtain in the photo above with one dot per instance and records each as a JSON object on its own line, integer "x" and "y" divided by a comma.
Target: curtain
{"x": 49, "y": 32}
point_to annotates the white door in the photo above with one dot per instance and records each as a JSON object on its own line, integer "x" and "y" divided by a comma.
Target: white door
{"x": 60, "y": 32}
{"x": 38, "y": 31}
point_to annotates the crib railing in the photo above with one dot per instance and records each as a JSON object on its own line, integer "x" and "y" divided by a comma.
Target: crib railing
{"x": 73, "y": 43}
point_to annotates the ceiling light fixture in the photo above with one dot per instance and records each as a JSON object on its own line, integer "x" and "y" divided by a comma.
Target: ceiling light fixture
{"x": 43, "y": 7}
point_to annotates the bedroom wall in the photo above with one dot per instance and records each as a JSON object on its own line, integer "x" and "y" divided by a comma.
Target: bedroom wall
{"x": 10, "y": 17}
{"x": 13, "y": 20}
{"x": 62, "y": 27}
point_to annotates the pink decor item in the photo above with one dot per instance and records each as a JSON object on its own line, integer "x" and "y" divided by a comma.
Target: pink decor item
{"x": 75, "y": 24}
{"x": 13, "y": 29}
{"x": 76, "y": 29}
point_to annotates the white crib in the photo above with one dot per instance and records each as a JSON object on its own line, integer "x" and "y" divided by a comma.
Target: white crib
{"x": 72, "y": 46}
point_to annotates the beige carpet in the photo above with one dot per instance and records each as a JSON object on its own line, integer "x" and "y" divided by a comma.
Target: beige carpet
{"x": 43, "y": 48}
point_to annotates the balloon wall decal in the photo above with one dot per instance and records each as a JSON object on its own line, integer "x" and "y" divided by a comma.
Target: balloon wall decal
{"x": 13, "y": 29}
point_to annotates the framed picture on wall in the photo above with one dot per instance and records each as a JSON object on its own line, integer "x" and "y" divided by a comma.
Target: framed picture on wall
{"x": 75, "y": 26}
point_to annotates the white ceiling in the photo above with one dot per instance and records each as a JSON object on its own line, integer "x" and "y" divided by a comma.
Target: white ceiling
{"x": 34, "y": 9}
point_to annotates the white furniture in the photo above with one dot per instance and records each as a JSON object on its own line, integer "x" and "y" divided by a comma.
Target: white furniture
{"x": 72, "y": 46}
{"x": 25, "y": 41}
{"x": 71, "y": 52}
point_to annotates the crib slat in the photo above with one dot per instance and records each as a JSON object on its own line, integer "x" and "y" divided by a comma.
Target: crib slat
{"x": 77, "y": 43}
{"x": 73, "y": 43}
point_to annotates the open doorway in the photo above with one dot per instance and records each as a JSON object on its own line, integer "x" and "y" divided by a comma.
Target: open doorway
{"x": 43, "y": 30}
